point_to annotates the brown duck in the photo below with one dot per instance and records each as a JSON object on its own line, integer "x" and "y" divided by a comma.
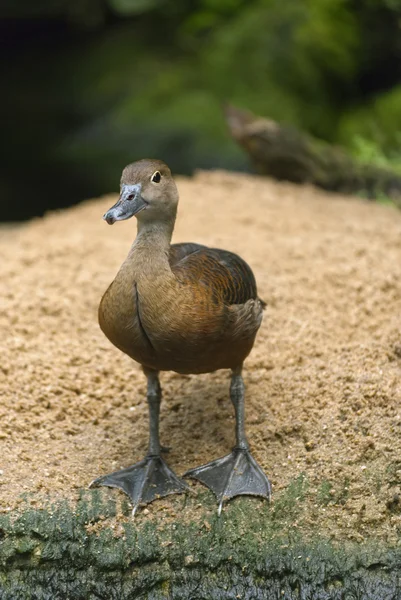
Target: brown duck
{"x": 184, "y": 308}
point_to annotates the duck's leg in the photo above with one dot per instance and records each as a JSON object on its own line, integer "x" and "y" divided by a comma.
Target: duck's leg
{"x": 150, "y": 478}
{"x": 237, "y": 473}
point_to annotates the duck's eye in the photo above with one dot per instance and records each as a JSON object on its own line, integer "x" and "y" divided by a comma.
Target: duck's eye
{"x": 156, "y": 177}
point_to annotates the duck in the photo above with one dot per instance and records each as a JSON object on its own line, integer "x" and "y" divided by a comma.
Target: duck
{"x": 185, "y": 308}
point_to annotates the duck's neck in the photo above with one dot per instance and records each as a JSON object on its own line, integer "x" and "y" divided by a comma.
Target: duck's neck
{"x": 150, "y": 250}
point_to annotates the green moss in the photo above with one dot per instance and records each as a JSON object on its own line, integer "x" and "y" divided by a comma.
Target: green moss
{"x": 252, "y": 551}
{"x": 325, "y": 493}
{"x": 330, "y": 492}
{"x": 289, "y": 503}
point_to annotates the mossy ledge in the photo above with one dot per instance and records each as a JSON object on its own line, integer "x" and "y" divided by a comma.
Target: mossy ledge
{"x": 94, "y": 550}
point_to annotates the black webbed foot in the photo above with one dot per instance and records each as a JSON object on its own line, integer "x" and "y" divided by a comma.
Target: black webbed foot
{"x": 233, "y": 475}
{"x": 147, "y": 480}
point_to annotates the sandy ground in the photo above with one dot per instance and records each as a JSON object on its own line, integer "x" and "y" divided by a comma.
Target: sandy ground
{"x": 323, "y": 381}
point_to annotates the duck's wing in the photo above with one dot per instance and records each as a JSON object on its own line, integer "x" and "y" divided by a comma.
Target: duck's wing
{"x": 226, "y": 276}
{"x": 180, "y": 251}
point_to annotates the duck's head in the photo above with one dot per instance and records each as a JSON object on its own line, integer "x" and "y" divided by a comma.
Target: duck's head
{"x": 147, "y": 191}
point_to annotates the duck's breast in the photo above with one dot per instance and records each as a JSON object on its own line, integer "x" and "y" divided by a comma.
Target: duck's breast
{"x": 120, "y": 322}
{"x": 199, "y": 316}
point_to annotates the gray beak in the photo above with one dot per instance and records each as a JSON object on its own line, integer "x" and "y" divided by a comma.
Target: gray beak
{"x": 129, "y": 204}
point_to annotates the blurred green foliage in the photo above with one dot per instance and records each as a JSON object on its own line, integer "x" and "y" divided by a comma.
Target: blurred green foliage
{"x": 110, "y": 81}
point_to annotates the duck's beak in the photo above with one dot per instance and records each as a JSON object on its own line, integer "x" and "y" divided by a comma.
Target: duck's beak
{"x": 129, "y": 204}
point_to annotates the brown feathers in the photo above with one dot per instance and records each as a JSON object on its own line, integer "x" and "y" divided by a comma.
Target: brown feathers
{"x": 180, "y": 307}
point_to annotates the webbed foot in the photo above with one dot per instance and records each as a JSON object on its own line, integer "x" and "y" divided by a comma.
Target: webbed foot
{"x": 147, "y": 480}
{"x": 233, "y": 475}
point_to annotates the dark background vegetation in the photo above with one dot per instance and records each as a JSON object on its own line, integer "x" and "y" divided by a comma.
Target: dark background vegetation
{"x": 90, "y": 85}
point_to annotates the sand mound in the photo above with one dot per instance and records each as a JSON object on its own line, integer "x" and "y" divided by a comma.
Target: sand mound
{"x": 323, "y": 381}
